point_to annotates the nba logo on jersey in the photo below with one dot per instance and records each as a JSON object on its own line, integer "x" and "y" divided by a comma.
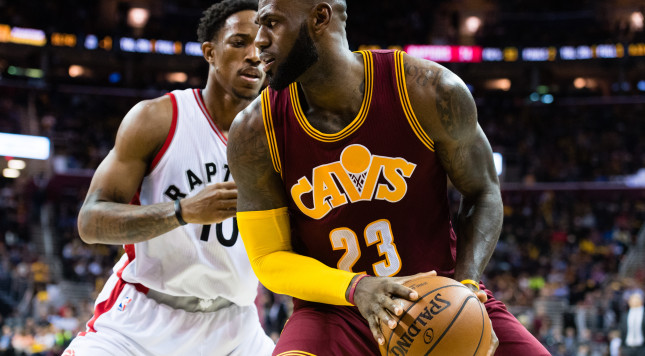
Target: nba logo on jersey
{"x": 124, "y": 303}
{"x": 69, "y": 352}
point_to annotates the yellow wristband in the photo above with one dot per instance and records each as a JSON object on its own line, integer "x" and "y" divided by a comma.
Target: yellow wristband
{"x": 471, "y": 282}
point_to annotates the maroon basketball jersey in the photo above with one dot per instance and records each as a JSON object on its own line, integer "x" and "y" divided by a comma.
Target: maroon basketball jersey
{"x": 371, "y": 198}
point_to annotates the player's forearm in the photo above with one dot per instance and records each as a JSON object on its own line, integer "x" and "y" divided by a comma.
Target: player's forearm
{"x": 115, "y": 223}
{"x": 303, "y": 277}
{"x": 267, "y": 239}
{"x": 479, "y": 223}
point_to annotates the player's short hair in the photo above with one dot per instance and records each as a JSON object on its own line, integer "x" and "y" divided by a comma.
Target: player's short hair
{"x": 214, "y": 17}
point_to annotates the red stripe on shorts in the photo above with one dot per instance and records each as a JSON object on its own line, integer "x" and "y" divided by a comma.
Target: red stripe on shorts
{"x": 105, "y": 306}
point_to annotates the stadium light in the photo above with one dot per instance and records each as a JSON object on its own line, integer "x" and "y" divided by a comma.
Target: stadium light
{"x": 114, "y": 77}
{"x": 542, "y": 89}
{"x": 138, "y": 17}
{"x": 637, "y": 20}
{"x": 641, "y": 85}
{"x": 75, "y": 71}
{"x": 472, "y": 24}
{"x": 177, "y": 77}
{"x": 580, "y": 83}
{"x": 498, "y": 159}
{"x": 498, "y": 84}
{"x": 10, "y": 173}
{"x": 25, "y": 146}
{"x": 16, "y": 164}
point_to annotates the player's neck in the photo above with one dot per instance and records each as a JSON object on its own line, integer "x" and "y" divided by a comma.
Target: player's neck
{"x": 336, "y": 84}
{"x": 222, "y": 106}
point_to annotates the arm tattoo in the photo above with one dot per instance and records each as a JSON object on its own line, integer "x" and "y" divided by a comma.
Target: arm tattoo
{"x": 248, "y": 150}
{"x": 420, "y": 76}
{"x": 454, "y": 104}
{"x": 458, "y": 163}
{"x": 454, "y": 107}
{"x": 119, "y": 223}
{"x": 464, "y": 153}
{"x": 452, "y": 162}
{"x": 259, "y": 187}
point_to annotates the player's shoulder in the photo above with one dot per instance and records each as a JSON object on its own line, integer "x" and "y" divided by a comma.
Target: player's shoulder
{"x": 159, "y": 109}
{"x": 247, "y": 135}
{"x": 439, "y": 98}
{"x": 151, "y": 112}
{"x": 428, "y": 75}
{"x": 147, "y": 124}
{"x": 249, "y": 118}
{"x": 426, "y": 79}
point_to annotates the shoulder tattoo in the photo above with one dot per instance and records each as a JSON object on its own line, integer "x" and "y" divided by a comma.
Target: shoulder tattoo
{"x": 455, "y": 106}
{"x": 420, "y": 76}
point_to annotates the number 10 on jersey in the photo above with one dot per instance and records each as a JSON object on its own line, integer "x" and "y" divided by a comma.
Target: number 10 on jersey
{"x": 378, "y": 232}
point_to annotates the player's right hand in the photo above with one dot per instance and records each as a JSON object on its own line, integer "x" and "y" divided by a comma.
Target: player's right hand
{"x": 213, "y": 204}
{"x": 375, "y": 298}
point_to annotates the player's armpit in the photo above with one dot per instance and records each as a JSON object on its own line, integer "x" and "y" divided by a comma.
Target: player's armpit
{"x": 259, "y": 186}
{"x": 266, "y": 236}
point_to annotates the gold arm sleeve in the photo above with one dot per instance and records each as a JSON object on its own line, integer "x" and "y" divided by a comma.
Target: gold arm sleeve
{"x": 267, "y": 238}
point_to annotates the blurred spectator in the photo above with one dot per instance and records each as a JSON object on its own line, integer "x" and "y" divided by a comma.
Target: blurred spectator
{"x": 22, "y": 341}
{"x": 66, "y": 319}
{"x": 614, "y": 343}
{"x": 276, "y": 314}
{"x": 633, "y": 326}
{"x": 6, "y": 348}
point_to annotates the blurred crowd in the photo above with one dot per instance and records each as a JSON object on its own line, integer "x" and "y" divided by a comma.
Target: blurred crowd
{"x": 564, "y": 143}
{"x": 504, "y": 22}
{"x": 570, "y": 252}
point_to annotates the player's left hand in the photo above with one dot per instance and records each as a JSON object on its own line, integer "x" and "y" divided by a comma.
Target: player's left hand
{"x": 481, "y": 295}
{"x": 375, "y": 300}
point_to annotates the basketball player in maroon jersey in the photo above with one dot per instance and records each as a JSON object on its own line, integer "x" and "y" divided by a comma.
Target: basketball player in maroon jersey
{"x": 342, "y": 168}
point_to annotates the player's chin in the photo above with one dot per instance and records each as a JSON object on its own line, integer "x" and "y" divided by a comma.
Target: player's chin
{"x": 247, "y": 92}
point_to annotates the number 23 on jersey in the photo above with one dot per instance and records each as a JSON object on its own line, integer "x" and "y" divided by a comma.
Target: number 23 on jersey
{"x": 378, "y": 232}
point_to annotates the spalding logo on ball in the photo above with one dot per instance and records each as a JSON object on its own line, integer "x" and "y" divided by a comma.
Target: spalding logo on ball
{"x": 447, "y": 319}
{"x": 429, "y": 336}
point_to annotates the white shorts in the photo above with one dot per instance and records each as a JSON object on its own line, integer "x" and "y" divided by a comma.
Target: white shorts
{"x": 127, "y": 322}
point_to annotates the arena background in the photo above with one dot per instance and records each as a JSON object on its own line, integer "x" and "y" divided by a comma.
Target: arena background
{"x": 560, "y": 89}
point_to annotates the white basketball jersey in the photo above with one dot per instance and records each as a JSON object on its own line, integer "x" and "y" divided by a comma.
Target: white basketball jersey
{"x": 205, "y": 261}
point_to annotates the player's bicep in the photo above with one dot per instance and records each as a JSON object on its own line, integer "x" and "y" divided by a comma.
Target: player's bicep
{"x": 140, "y": 135}
{"x": 259, "y": 186}
{"x": 469, "y": 163}
{"x": 447, "y": 112}
{"x": 117, "y": 179}
{"x": 460, "y": 143}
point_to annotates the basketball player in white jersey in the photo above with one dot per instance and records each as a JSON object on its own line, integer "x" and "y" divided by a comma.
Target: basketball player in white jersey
{"x": 185, "y": 285}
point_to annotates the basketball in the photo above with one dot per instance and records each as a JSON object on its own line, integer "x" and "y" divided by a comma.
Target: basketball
{"x": 447, "y": 319}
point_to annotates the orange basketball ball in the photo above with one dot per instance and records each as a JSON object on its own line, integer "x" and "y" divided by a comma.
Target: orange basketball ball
{"x": 447, "y": 319}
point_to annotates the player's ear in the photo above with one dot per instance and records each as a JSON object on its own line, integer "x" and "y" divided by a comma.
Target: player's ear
{"x": 321, "y": 17}
{"x": 208, "y": 50}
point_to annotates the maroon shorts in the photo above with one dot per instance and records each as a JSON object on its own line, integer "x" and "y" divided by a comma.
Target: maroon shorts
{"x": 322, "y": 330}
